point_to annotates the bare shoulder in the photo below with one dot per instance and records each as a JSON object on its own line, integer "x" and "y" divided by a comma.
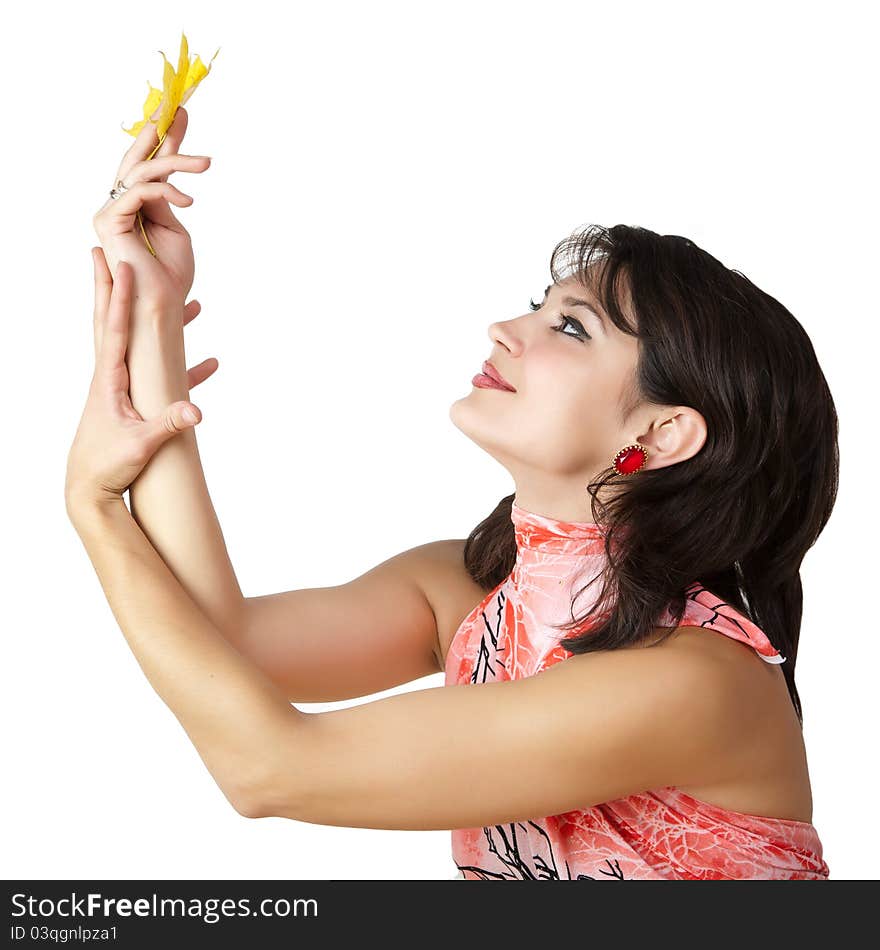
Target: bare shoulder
{"x": 438, "y": 568}
{"x": 761, "y": 756}
{"x": 750, "y": 687}
{"x": 736, "y": 663}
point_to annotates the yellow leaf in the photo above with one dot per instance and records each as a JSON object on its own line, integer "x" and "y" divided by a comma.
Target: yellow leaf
{"x": 177, "y": 86}
{"x": 154, "y": 97}
{"x": 197, "y": 72}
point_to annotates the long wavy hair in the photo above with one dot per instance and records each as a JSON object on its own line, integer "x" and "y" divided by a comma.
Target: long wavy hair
{"x": 739, "y": 515}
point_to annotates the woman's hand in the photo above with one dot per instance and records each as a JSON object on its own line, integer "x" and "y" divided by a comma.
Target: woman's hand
{"x": 166, "y": 279}
{"x": 113, "y": 442}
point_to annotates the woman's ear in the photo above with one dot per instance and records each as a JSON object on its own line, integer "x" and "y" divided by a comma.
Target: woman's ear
{"x": 675, "y": 436}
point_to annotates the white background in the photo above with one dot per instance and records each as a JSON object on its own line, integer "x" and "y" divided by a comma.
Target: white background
{"x": 388, "y": 180}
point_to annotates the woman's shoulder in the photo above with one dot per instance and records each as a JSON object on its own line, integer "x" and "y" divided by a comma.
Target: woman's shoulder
{"x": 449, "y": 588}
{"x": 763, "y": 764}
{"x": 759, "y": 686}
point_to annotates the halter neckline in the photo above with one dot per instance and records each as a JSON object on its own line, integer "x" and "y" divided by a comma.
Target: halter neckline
{"x": 538, "y": 532}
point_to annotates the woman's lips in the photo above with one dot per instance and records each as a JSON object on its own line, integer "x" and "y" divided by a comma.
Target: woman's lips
{"x": 488, "y": 369}
{"x": 482, "y": 381}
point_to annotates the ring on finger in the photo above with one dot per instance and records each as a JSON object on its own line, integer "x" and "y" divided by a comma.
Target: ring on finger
{"x": 118, "y": 189}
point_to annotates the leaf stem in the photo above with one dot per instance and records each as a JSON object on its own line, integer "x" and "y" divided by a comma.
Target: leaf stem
{"x": 140, "y": 220}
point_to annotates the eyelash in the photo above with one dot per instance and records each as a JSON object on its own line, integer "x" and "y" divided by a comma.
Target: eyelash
{"x": 566, "y": 321}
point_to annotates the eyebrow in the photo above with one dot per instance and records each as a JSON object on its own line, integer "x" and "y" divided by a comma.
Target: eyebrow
{"x": 586, "y": 304}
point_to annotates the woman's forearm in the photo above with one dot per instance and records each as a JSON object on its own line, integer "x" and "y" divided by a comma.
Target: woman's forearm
{"x": 169, "y": 499}
{"x": 234, "y": 715}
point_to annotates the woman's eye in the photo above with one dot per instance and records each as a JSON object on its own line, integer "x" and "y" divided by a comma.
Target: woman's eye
{"x": 568, "y": 321}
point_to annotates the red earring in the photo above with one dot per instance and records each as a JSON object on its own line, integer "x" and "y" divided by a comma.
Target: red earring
{"x": 630, "y": 459}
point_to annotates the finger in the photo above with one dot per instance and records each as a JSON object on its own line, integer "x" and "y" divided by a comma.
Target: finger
{"x": 198, "y": 374}
{"x": 118, "y": 215}
{"x": 114, "y": 341}
{"x": 158, "y": 169}
{"x": 103, "y": 289}
{"x": 174, "y": 136}
{"x": 175, "y": 419}
{"x": 144, "y": 144}
{"x": 191, "y": 311}
{"x": 128, "y": 247}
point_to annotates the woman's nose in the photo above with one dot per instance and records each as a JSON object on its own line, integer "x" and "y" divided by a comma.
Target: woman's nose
{"x": 505, "y": 333}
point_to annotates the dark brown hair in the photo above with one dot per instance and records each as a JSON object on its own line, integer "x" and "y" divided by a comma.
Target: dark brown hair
{"x": 738, "y": 516}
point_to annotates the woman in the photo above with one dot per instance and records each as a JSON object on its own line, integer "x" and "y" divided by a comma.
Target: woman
{"x": 673, "y": 444}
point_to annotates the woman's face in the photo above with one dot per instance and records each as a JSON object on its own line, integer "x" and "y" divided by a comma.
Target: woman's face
{"x": 573, "y": 371}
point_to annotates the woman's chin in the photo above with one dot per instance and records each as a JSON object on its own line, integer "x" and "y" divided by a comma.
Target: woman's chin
{"x": 463, "y": 413}
{"x": 472, "y": 421}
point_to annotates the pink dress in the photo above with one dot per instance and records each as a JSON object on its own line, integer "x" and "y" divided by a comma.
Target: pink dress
{"x": 658, "y": 834}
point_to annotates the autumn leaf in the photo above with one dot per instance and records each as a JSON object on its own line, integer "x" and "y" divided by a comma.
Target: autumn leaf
{"x": 177, "y": 86}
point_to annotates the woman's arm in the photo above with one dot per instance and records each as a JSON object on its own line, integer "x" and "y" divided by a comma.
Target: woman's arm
{"x": 234, "y": 715}
{"x": 169, "y": 499}
{"x": 592, "y": 729}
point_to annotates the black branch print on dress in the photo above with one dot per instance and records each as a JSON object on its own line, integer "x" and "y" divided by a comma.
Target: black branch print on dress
{"x": 484, "y": 662}
{"x": 504, "y": 843}
{"x": 615, "y": 872}
{"x": 713, "y": 620}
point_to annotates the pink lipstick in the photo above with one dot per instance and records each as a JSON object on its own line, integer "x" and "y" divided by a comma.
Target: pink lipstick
{"x": 490, "y": 378}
